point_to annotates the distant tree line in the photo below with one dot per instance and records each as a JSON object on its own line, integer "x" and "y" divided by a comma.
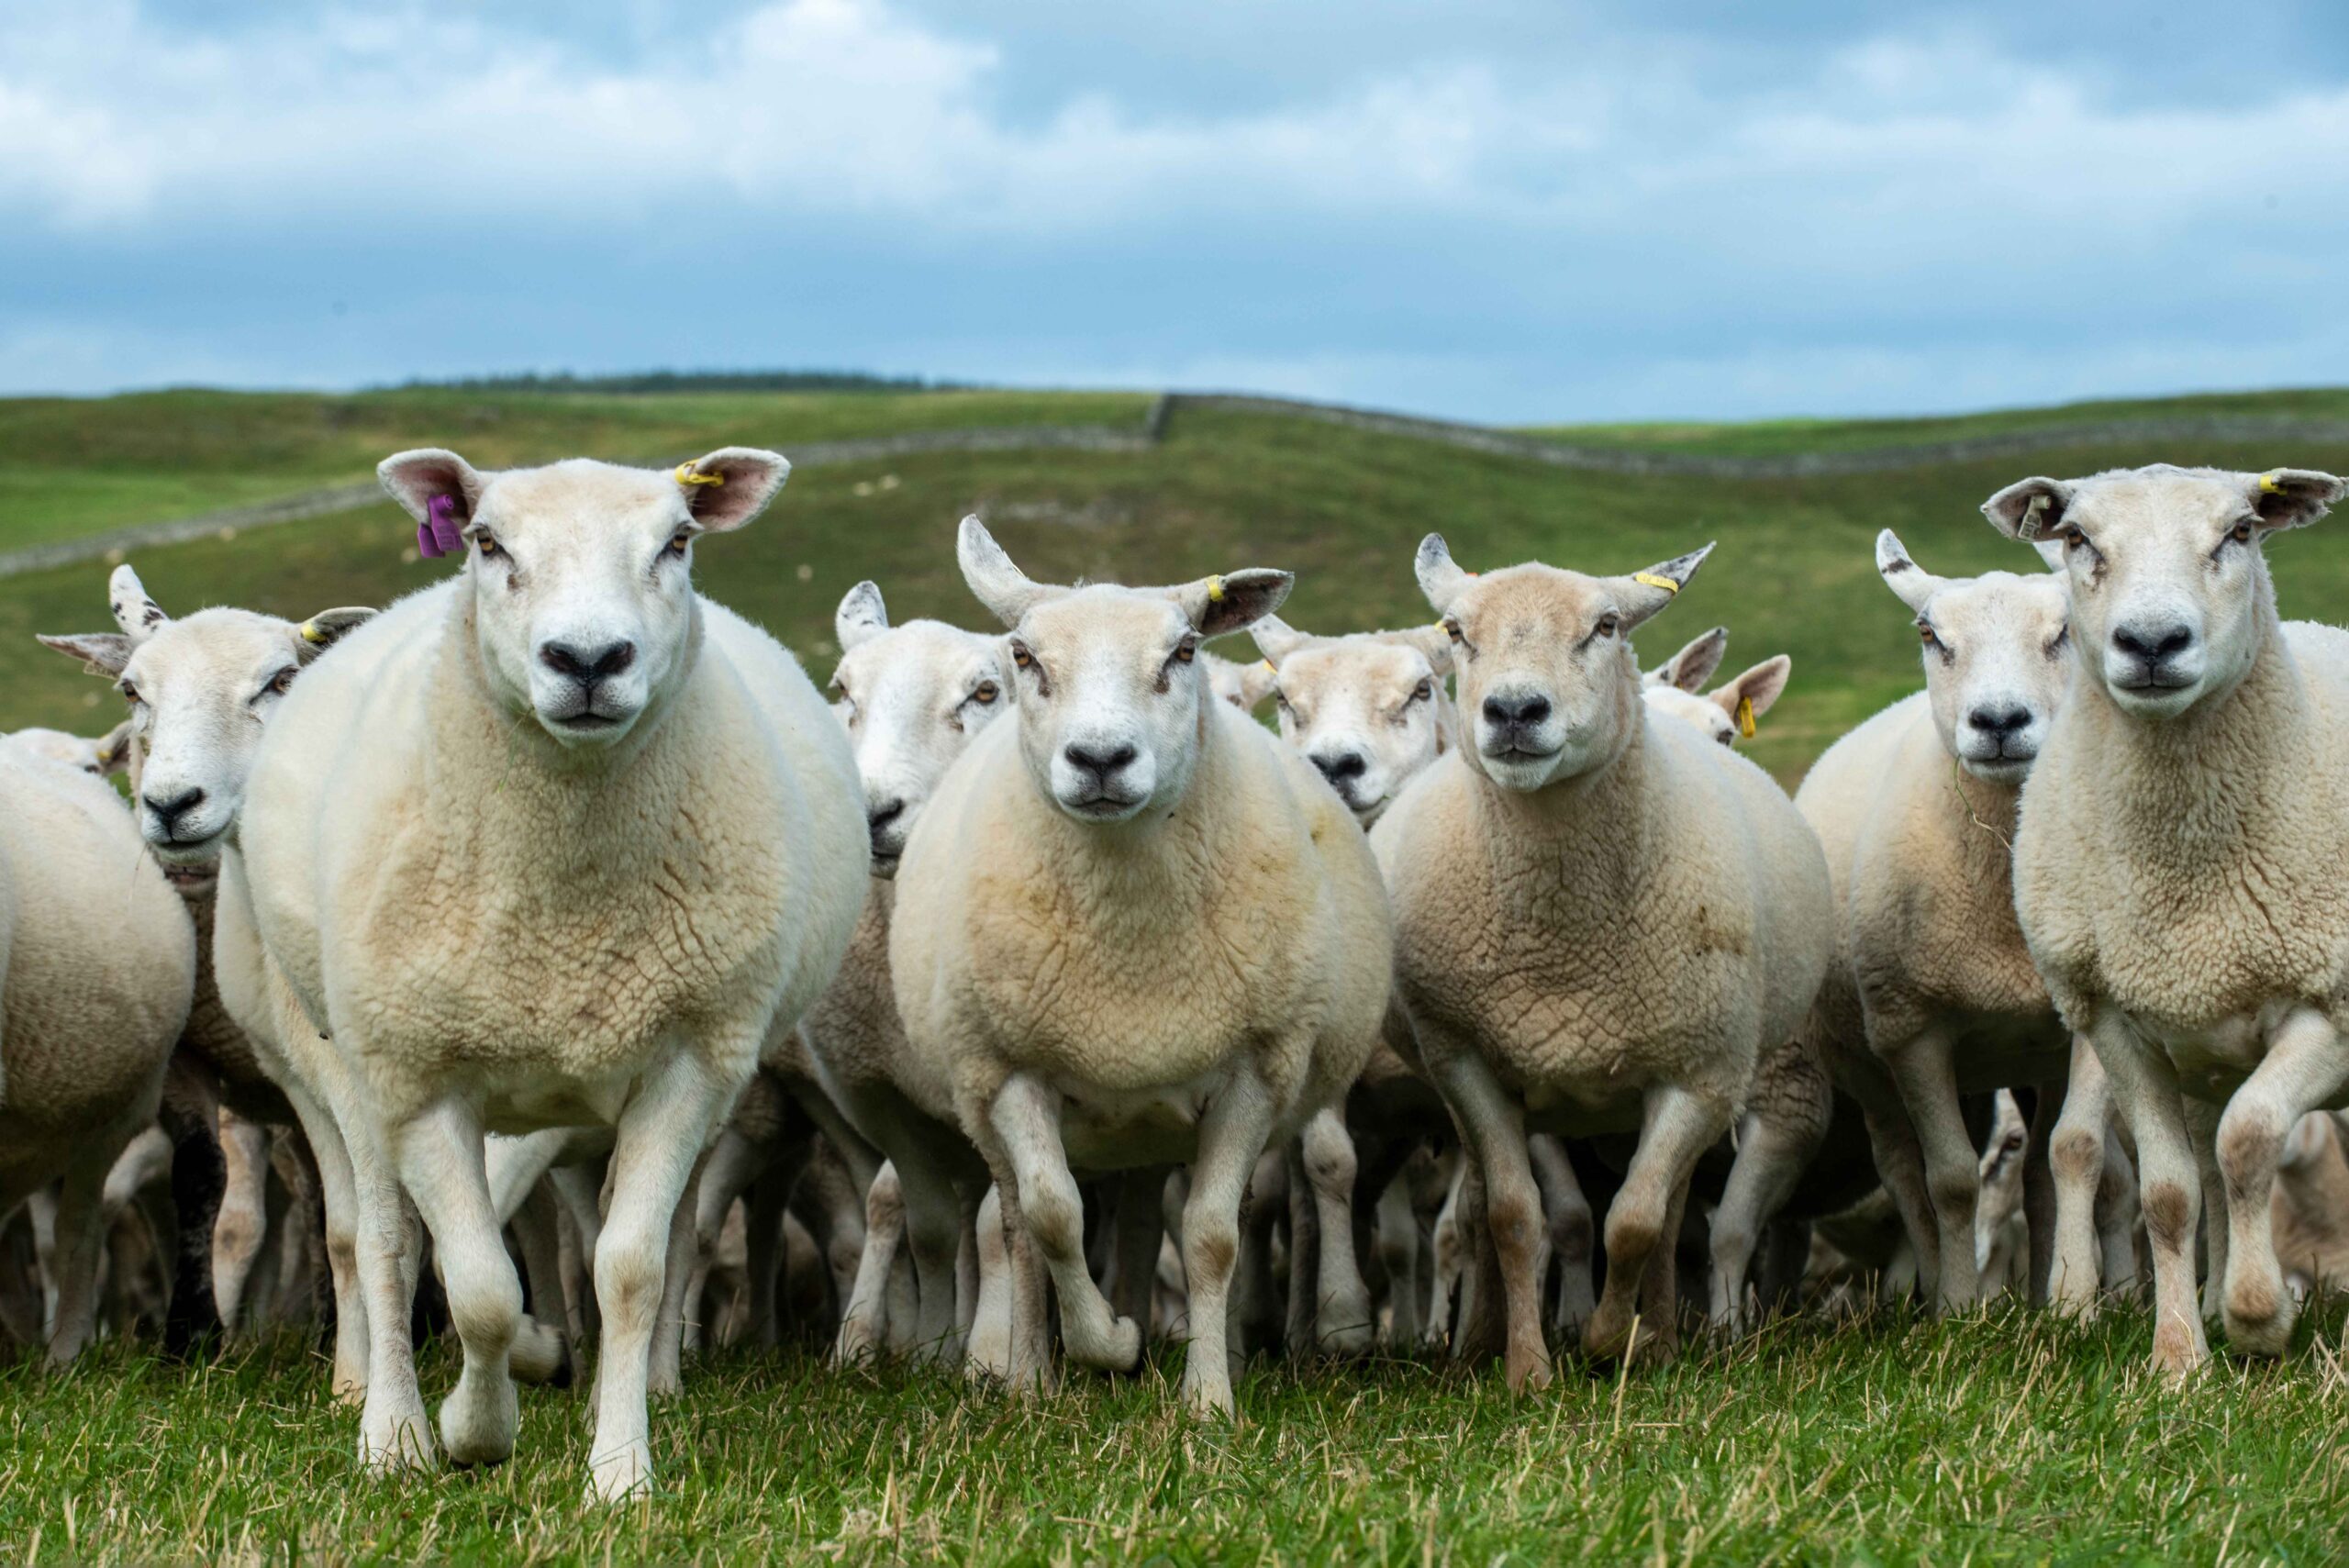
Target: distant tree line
{"x": 695, "y": 381}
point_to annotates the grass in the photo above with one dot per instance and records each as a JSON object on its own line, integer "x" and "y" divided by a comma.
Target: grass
{"x": 1344, "y": 508}
{"x": 2006, "y": 1437}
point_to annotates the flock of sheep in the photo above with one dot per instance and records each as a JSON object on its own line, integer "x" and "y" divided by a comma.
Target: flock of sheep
{"x": 1029, "y": 996}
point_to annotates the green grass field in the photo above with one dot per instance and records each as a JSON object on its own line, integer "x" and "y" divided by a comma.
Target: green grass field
{"x": 2000, "y": 1438}
{"x": 2008, "y": 1437}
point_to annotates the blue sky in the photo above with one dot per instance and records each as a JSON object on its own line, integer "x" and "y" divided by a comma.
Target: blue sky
{"x": 1485, "y": 208}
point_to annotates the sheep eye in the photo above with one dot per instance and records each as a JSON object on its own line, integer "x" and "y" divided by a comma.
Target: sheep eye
{"x": 985, "y": 693}
{"x": 489, "y": 547}
{"x": 679, "y": 542}
{"x": 1727, "y": 738}
{"x": 2063, "y": 638}
{"x": 129, "y": 692}
{"x": 1185, "y": 651}
{"x": 1424, "y": 690}
{"x": 281, "y": 681}
{"x": 1926, "y": 633}
{"x": 2242, "y": 532}
{"x": 1606, "y": 625}
{"x": 1022, "y": 658}
{"x": 1452, "y": 630}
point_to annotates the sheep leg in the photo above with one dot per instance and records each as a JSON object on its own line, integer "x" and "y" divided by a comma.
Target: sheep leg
{"x": 78, "y": 1236}
{"x": 339, "y": 1197}
{"x": 1398, "y": 1247}
{"x": 1139, "y": 1225}
{"x": 1256, "y": 1297}
{"x": 661, "y": 1134}
{"x": 1572, "y": 1229}
{"x": 2304, "y": 1068}
{"x": 933, "y": 1175}
{"x": 1900, "y": 1165}
{"x": 240, "y": 1223}
{"x": 518, "y": 1165}
{"x": 1233, "y": 1134}
{"x": 726, "y": 1175}
{"x": 986, "y": 1348}
{"x": 1953, "y": 1165}
{"x": 1495, "y": 1126}
{"x": 440, "y": 1160}
{"x": 2202, "y": 1135}
{"x": 665, "y": 1373}
{"x": 2076, "y": 1166}
{"x": 2116, "y": 1217}
{"x": 1446, "y": 1250}
{"x": 1679, "y": 1127}
{"x": 576, "y": 1188}
{"x": 864, "y": 1321}
{"x": 538, "y": 1227}
{"x": 1025, "y": 1117}
{"x": 1770, "y": 1160}
{"x": 1342, "y": 1318}
{"x": 2169, "y": 1185}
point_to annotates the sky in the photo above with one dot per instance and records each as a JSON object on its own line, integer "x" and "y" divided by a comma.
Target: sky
{"x": 1507, "y": 210}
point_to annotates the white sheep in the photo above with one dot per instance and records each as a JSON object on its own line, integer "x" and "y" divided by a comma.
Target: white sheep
{"x": 1601, "y": 920}
{"x": 201, "y": 688}
{"x": 2182, "y": 851}
{"x": 1727, "y": 713}
{"x": 1934, "y": 995}
{"x": 1244, "y": 686}
{"x": 97, "y": 966}
{"x": 97, "y": 756}
{"x": 1133, "y": 928}
{"x": 554, "y": 843}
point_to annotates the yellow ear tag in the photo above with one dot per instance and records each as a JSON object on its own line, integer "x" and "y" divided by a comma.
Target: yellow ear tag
{"x": 2268, "y": 485}
{"x": 1745, "y": 717}
{"x": 1271, "y": 668}
{"x": 310, "y": 634}
{"x": 1652, "y": 581}
{"x": 687, "y": 474}
{"x": 1215, "y": 590}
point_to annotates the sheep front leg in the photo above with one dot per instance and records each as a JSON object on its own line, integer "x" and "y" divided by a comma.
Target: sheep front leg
{"x": 734, "y": 1162}
{"x": 2075, "y": 1162}
{"x": 439, "y": 1152}
{"x": 1901, "y": 1167}
{"x": 1953, "y": 1165}
{"x": 1341, "y": 1318}
{"x": 1495, "y": 1126}
{"x": 665, "y": 1364}
{"x": 1770, "y": 1160}
{"x": 661, "y": 1138}
{"x": 2169, "y": 1187}
{"x": 1233, "y": 1134}
{"x": 1025, "y": 1116}
{"x": 864, "y": 1318}
{"x": 78, "y": 1236}
{"x": 2305, "y": 1067}
{"x": 1677, "y": 1127}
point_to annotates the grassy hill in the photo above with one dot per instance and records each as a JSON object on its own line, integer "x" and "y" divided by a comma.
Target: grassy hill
{"x": 1344, "y": 508}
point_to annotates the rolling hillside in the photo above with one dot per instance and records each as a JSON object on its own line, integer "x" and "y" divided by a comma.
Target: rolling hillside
{"x": 1342, "y": 507}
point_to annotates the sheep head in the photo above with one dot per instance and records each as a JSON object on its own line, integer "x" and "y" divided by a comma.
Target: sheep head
{"x": 1369, "y": 710}
{"x": 1994, "y": 647}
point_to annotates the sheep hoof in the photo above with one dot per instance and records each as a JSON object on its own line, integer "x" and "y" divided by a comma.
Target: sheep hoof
{"x": 2258, "y": 1321}
{"x": 621, "y": 1479}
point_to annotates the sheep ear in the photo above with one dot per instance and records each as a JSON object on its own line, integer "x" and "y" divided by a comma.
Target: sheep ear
{"x": 1915, "y": 585}
{"x": 1001, "y": 586}
{"x": 748, "y": 478}
{"x": 99, "y": 653}
{"x": 114, "y": 748}
{"x": 326, "y": 629}
{"x": 1642, "y": 593}
{"x": 1256, "y": 684}
{"x": 2029, "y": 508}
{"x": 2294, "y": 498}
{"x": 1441, "y": 578}
{"x": 861, "y": 618}
{"x": 416, "y": 478}
{"x": 1433, "y": 641}
{"x": 1694, "y": 665}
{"x": 1749, "y": 697}
{"x": 1232, "y": 600}
{"x": 1276, "y": 639}
{"x": 134, "y": 610}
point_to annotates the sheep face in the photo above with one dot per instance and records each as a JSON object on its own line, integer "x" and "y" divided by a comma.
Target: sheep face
{"x": 1544, "y": 660}
{"x": 1112, "y": 699}
{"x": 199, "y": 689}
{"x": 2169, "y": 591}
{"x": 580, "y": 575}
{"x": 1367, "y": 712}
{"x": 912, "y": 697}
{"x": 1994, "y": 650}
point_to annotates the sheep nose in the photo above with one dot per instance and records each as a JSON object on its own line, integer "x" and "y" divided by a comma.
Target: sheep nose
{"x": 1519, "y": 712}
{"x": 169, "y": 812}
{"x": 879, "y": 817}
{"x": 1340, "y": 765}
{"x": 1102, "y": 761}
{"x": 2004, "y": 720}
{"x": 586, "y": 665}
{"x": 2153, "y": 642}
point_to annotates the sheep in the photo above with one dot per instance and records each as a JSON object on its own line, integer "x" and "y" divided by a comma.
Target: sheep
{"x": 107, "y": 753}
{"x": 2182, "y": 848}
{"x": 556, "y": 842}
{"x": 2310, "y": 1211}
{"x": 1726, "y": 714}
{"x": 912, "y": 698}
{"x": 1601, "y": 921}
{"x": 1934, "y": 995}
{"x": 1244, "y": 686}
{"x": 202, "y": 688}
{"x": 1133, "y": 928}
{"x": 98, "y": 970}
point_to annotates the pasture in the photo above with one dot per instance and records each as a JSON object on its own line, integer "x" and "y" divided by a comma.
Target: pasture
{"x": 2003, "y": 1436}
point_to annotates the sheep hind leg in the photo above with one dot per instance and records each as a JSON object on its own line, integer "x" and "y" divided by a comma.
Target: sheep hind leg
{"x": 2304, "y": 1068}
{"x": 1398, "y": 1244}
{"x": 1566, "y": 1213}
{"x": 78, "y": 1238}
{"x": 1953, "y": 1165}
{"x": 1025, "y": 1119}
{"x": 440, "y": 1161}
{"x": 1679, "y": 1127}
{"x": 664, "y": 1373}
{"x": 1139, "y": 1225}
{"x": 241, "y": 1222}
{"x": 2202, "y": 1137}
{"x": 1232, "y": 1136}
{"x": 1770, "y": 1160}
{"x": 864, "y": 1320}
{"x": 1341, "y": 1314}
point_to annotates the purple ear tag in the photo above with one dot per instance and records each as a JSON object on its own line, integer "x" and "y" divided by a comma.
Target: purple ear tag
{"x": 439, "y": 534}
